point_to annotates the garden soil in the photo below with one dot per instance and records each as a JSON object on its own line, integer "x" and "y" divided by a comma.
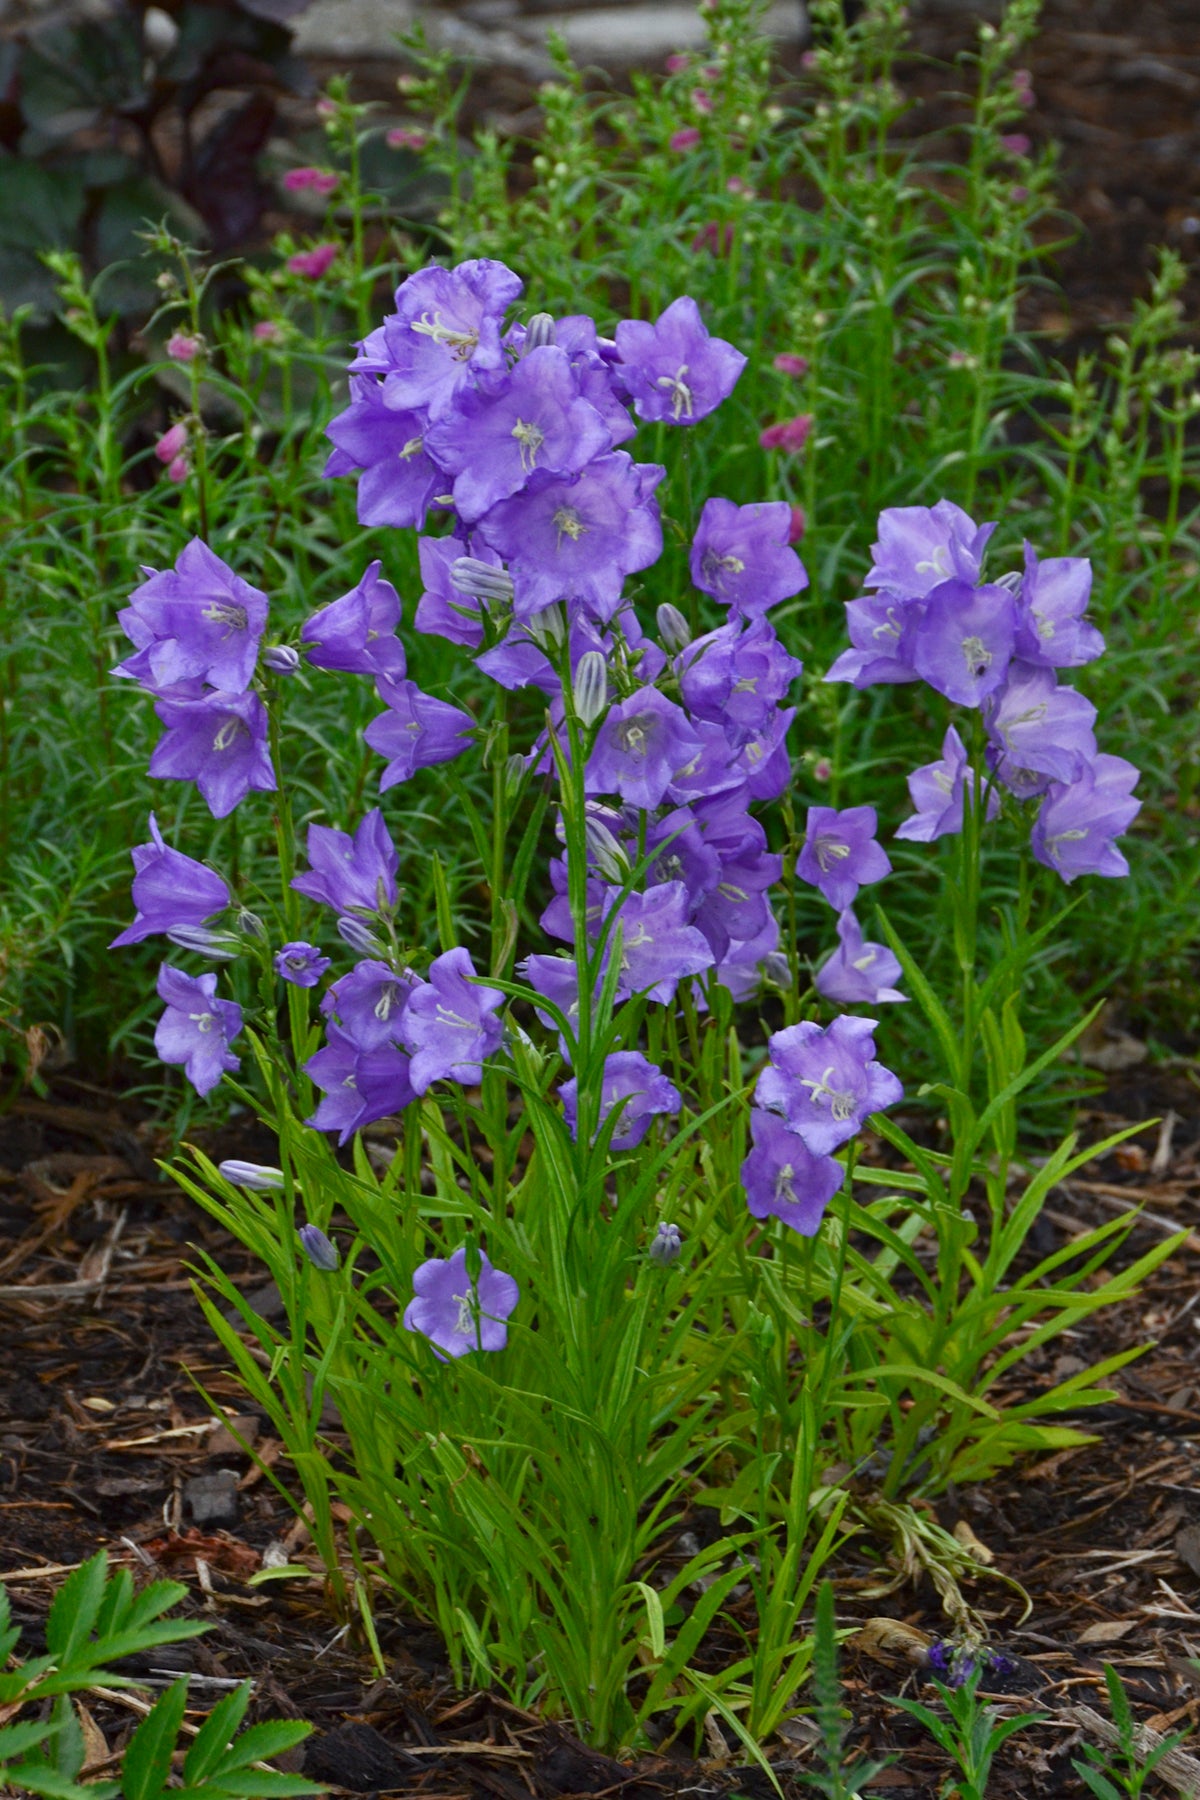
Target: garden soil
{"x": 106, "y": 1438}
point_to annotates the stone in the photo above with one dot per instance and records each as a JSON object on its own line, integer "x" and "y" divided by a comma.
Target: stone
{"x": 646, "y": 34}
{"x": 212, "y": 1499}
{"x": 352, "y": 28}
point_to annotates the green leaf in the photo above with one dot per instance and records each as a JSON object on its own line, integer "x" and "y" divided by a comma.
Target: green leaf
{"x": 259, "y": 1743}
{"x": 654, "y": 1617}
{"x": 147, "y": 1763}
{"x": 216, "y": 1733}
{"x": 75, "y": 1610}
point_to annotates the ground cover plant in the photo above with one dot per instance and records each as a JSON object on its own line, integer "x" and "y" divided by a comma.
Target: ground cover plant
{"x": 551, "y": 1319}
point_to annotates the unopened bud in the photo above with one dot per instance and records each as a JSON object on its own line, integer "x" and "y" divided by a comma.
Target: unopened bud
{"x": 673, "y": 628}
{"x": 548, "y": 628}
{"x": 220, "y": 946}
{"x": 281, "y": 659}
{"x": 482, "y": 581}
{"x": 514, "y": 775}
{"x": 318, "y": 1249}
{"x": 360, "y": 937}
{"x": 249, "y": 923}
{"x": 666, "y": 1246}
{"x": 590, "y": 686}
{"x": 777, "y": 970}
{"x": 605, "y": 852}
{"x": 540, "y": 331}
{"x": 1012, "y": 581}
{"x": 260, "y": 1178}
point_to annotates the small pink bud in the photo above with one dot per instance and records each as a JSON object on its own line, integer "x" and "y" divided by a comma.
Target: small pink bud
{"x": 822, "y": 769}
{"x": 715, "y": 237}
{"x": 406, "y": 137}
{"x": 268, "y": 331}
{"x": 181, "y": 348}
{"x": 314, "y": 262}
{"x": 788, "y": 363}
{"x": 809, "y": 60}
{"x": 735, "y": 185}
{"x": 326, "y": 109}
{"x": 798, "y": 525}
{"x": 1020, "y": 193}
{"x": 957, "y": 359}
{"x": 678, "y": 62}
{"x": 702, "y": 101}
{"x": 788, "y": 434}
{"x": 687, "y": 139}
{"x": 171, "y": 443}
{"x": 1016, "y": 143}
{"x": 179, "y": 470}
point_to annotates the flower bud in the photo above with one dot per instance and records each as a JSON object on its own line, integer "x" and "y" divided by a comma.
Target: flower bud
{"x": 482, "y": 581}
{"x": 666, "y": 1246}
{"x": 318, "y": 1249}
{"x": 260, "y": 1178}
{"x": 514, "y": 775}
{"x": 590, "y": 687}
{"x": 610, "y": 860}
{"x": 540, "y": 331}
{"x": 673, "y": 628}
{"x": 1012, "y": 581}
{"x": 220, "y": 946}
{"x": 172, "y": 442}
{"x": 360, "y": 937}
{"x": 777, "y": 969}
{"x": 281, "y": 659}
{"x": 548, "y": 628}
{"x": 249, "y": 923}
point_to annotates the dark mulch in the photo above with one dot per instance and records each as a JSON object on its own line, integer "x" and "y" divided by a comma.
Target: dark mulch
{"x": 104, "y": 1439}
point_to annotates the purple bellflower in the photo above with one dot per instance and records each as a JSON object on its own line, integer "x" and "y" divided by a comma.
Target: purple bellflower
{"x": 858, "y": 973}
{"x": 937, "y": 791}
{"x": 217, "y": 740}
{"x": 196, "y": 622}
{"x": 658, "y": 946}
{"x": 450, "y": 1024}
{"x": 764, "y": 762}
{"x": 638, "y": 1088}
{"x": 673, "y": 370}
{"x": 197, "y": 1028}
{"x": 443, "y": 335}
{"x": 736, "y": 677}
{"x": 826, "y": 1082}
{"x": 741, "y": 555}
{"x": 881, "y": 630}
{"x": 456, "y": 1315}
{"x": 784, "y": 1179}
{"x": 399, "y": 480}
{"x": 496, "y": 436}
{"x": 170, "y": 890}
{"x": 963, "y": 643}
{"x": 320, "y": 1250}
{"x": 1051, "y": 602}
{"x": 639, "y": 747}
{"x": 415, "y": 732}
{"x": 840, "y": 853}
{"x": 356, "y": 635}
{"x": 1076, "y": 824}
{"x": 443, "y": 609}
{"x": 921, "y": 546}
{"x": 1038, "y": 732}
{"x": 578, "y": 538}
{"x": 359, "y": 1085}
{"x": 368, "y": 1004}
{"x": 351, "y": 873}
{"x": 300, "y": 964}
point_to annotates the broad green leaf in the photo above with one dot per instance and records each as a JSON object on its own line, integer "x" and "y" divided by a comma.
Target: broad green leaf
{"x": 147, "y": 1763}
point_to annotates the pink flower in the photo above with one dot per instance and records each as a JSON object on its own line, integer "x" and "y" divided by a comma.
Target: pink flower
{"x": 809, "y": 60}
{"x": 406, "y": 137}
{"x": 788, "y": 363}
{"x": 714, "y": 237}
{"x": 326, "y": 109}
{"x": 171, "y": 443}
{"x": 702, "y": 100}
{"x": 797, "y": 526}
{"x": 822, "y": 769}
{"x": 1020, "y": 193}
{"x": 788, "y": 434}
{"x": 314, "y": 262}
{"x": 678, "y": 62}
{"x": 321, "y": 181}
{"x": 181, "y": 348}
{"x": 268, "y": 331}
{"x": 179, "y": 470}
{"x": 1016, "y": 143}
{"x": 687, "y": 139}
{"x": 735, "y": 185}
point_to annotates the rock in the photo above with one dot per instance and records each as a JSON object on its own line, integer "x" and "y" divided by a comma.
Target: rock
{"x": 647, "y": 33}
{"x": 213, "y": 1499}
{"x": 352, "y": 28}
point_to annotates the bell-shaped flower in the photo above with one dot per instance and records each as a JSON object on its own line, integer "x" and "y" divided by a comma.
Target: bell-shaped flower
{"x": 1074, "y": 831}
{"x": 937, "y": 791}
{"x": 858, "y": 973}
{"x": 640, "y": 746}
{"x": 919, "y": 547}
{"x": 368, "y": 1004}
{"x": 826, "y": 1082}
{"x": 416, "y": 731}
{"x": 963, "y": 643}
{"x": 1038, "y": 732}
{"x": 840, "y": 853}
{"x": 736, "y": 677}
{"x": 350, "y": 873}
{"x": 443, "y": 336}
{"x": 1051, "y": 602}
{"x": 658, "y": 945}
{"x": 398, "y": 479}
{"x": 217, "y": 740}
{"x": 456, "y": 1314}
{"x": 356, "y": 635}
{"x": 170, "y": 890}
{"x": 784, "y": 1179}
{"x": 196, "y": 622}
{"x": 742, "y": 557}
{"x": 300, "y": 964}
{"x": 673, "y": 370}
{"x": 450, "y": 1024}
{"x": 630, "y": 1084}
{"x": 359, "y": 1085}
{"x": 196, "y": 1029}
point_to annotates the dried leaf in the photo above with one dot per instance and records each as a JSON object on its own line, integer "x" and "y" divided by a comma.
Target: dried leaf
{"x": 969, "y": 1541}
{"x": 1187, "y": 1547}
{"x": 889, "y": 1639}
{"x": 1106, "y": 1631}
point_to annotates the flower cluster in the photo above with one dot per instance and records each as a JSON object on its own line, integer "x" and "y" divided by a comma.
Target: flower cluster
{"x": 996, "y": 647}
